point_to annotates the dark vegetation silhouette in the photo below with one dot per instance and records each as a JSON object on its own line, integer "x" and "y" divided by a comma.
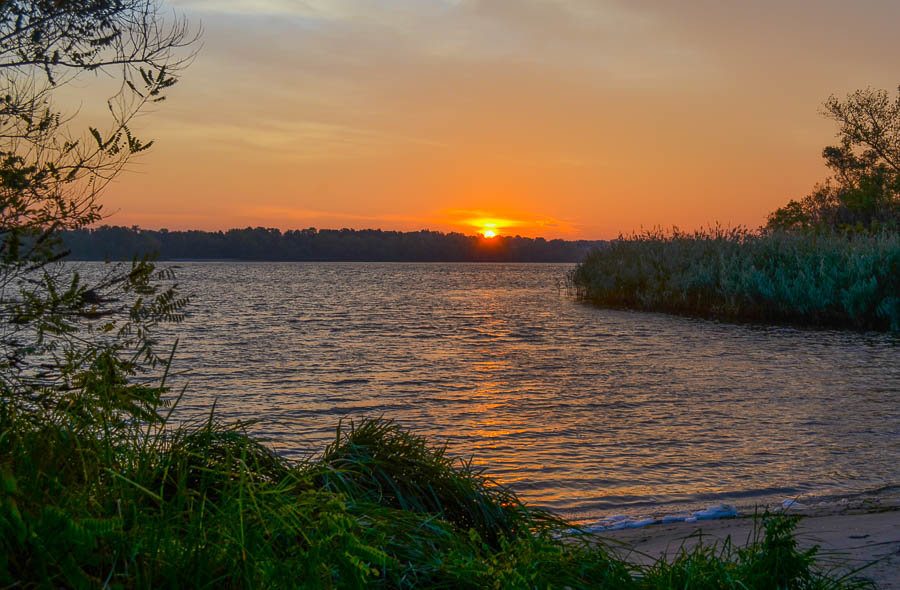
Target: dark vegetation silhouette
{"x": 68, "y": 347}
{"x": 118, "y": 243}
{"x": 863, "y": 193}
{"x": 99, "y": 490}
{"x": 830, "y": 259}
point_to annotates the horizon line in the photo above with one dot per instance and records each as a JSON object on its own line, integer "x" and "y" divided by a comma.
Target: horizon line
{"x": 319, "y": 229}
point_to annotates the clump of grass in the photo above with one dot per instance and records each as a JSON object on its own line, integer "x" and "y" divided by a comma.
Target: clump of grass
{"x": 819, "y": 279}
{"x": 769, "y": 560}
{"x": 377, "y": 461}
{"x": 207, "y": 506}
{"x": 201, "y": 507}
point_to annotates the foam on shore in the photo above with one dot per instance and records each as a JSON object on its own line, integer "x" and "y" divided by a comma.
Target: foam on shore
{"x": 621, "y": 521}
{"x": 881, "y": 498}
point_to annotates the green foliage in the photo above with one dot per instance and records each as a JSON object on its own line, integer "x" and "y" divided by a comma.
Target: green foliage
{"x": 769, "y": 560}
{"x": 863, "y": 193}
{"x": 208, "y": 506}
{"x": 69, "y": 349}
{"x": 379, "y": 462}
{"x": 205, "y": 505}
{"x": 818, "y": 279}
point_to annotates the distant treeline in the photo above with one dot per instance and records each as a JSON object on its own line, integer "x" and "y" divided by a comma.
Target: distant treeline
{"x": 116, "y": 243}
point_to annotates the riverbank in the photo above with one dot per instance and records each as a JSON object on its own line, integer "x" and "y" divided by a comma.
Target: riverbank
{"x": 850, "y": 534}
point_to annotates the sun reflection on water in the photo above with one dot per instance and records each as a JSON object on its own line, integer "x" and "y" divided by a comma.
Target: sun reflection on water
{"x": 582, "y": 410}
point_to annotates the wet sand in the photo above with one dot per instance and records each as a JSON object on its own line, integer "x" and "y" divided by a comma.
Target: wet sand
{"x": 850, "y": 536}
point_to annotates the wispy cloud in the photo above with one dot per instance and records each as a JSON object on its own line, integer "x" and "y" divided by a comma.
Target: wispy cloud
{"x": 280, "y": 216}
{"x": 296, "y": 139}
{"x": 332, "y": 9}
{"x": 604, "y": 35}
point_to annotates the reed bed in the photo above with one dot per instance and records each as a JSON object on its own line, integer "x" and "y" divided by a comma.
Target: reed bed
{"x": 815, "y": 279}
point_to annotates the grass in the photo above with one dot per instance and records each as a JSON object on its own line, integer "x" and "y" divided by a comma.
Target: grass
{"x": 771, "y": 558}
{"x": 817, "y": 279}
{"x": 207, "y": 506}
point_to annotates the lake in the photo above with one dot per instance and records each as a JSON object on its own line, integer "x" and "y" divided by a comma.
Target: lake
{"x": 586, "y": 411}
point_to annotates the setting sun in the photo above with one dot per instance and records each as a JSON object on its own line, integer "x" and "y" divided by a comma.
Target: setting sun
{"x": 488, "y": 227}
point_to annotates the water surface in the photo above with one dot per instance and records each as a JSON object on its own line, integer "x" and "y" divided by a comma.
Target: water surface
{"x": 582, "y": 410}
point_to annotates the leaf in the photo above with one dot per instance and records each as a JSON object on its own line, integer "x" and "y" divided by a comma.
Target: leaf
{"x": 97, "y": 137}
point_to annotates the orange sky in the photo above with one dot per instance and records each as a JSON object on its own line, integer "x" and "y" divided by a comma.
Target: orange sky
{"x": 558, "y": 118}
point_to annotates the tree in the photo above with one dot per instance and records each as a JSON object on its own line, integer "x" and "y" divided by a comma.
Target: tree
{"x": 863, "y": 192}
{"x": 66, "y": 344}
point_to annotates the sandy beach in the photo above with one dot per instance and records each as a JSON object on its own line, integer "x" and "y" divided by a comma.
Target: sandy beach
{"x": 850, "y": 535}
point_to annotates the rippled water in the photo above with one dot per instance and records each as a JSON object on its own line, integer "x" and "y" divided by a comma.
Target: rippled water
{"x": 583, "y": 410}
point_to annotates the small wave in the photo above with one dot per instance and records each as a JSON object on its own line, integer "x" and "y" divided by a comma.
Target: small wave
{"x": 620, "y": 521}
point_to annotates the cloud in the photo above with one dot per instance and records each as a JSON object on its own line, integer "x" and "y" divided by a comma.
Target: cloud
{"x": 281, "y": 216}
{"x": 320, "y": 9}
{"x": 584, "y": 34}
{"x": 344, "y": 79}
{"x": 293, "y": 139}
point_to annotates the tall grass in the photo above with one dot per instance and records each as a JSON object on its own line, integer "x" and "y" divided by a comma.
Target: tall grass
{"x": 207, "y": 506}
{"x": 819, "y": 279}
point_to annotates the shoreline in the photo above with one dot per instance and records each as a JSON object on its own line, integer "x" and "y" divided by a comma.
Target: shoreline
{"x": 850, "y": 535}
{"x": 874, "y": 499}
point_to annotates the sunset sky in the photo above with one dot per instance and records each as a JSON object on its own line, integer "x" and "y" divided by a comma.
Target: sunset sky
{"x": 555, "y": 118}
